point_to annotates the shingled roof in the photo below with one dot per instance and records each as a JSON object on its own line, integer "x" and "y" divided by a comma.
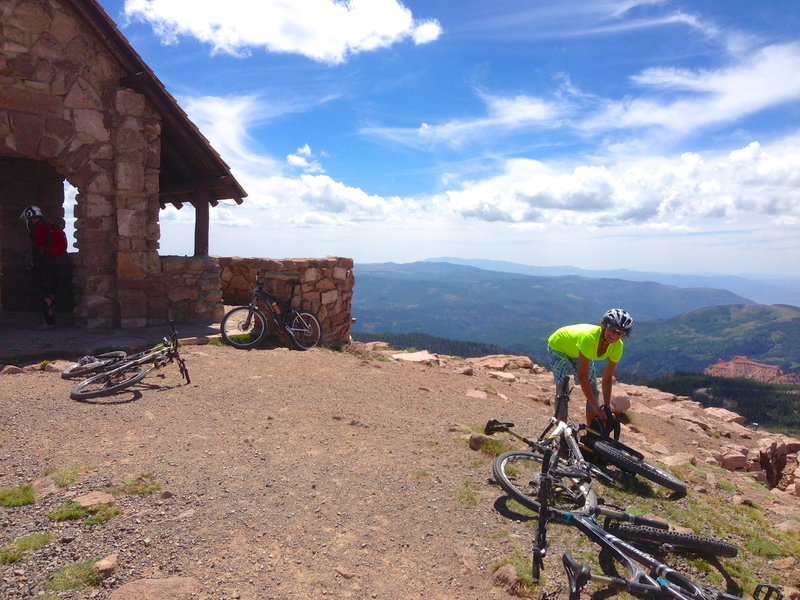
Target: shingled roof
{"x": 190, "y": 168}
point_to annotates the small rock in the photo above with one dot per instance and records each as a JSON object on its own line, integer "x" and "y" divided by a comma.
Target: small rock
{"x": 93, "y": 498}
{"x": 506, "y": 577}
{"x": 107, "y": 565}
{"x": 477, "y": 440}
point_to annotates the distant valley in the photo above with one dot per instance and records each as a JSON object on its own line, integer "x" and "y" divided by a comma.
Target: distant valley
{"x": 677, "y": 328}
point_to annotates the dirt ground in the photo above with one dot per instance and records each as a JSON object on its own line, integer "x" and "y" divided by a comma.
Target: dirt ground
{"x": 284, "y": 475}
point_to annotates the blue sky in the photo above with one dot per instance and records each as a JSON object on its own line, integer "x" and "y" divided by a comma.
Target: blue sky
{"x": 644, "y": 134}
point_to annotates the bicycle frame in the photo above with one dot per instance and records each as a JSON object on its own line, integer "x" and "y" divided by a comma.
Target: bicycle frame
{"x": 280, "y": 309}
{"x": 159, "y": 356}
{"x": 665, "y": 582}
{"x": 557, "y": 434}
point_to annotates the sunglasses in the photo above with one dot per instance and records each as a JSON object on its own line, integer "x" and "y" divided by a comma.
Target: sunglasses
{"x": 617, "y": 331}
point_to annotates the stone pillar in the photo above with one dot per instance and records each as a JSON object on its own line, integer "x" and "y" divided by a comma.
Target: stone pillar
{"x": 136, "y": 187}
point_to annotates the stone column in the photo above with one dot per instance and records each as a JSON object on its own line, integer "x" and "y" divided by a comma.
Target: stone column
{"x": 136, "y": 184}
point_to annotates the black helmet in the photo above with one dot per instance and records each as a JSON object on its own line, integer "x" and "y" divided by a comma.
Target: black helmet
{"x": 620, "y": 319}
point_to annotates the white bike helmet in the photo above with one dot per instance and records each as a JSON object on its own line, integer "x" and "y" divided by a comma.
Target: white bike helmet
{"x": 30, "y": 212}
{"x": 620, "y": 319}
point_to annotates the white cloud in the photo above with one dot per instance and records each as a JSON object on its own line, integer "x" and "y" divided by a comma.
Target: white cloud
{"x": 503, "y": 115}
{"x": 583, "y": 18}
{"x": 322, "y": 30}
{"x": 303, "y": 159}
{"x": 691, "y": 190}
{"x": 707, "y": 97}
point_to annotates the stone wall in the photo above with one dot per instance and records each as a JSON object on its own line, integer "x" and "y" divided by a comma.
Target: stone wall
{"x": 327, "y": 288}
{"x": 190, "y": 288}
{"x": 62, "y": 105}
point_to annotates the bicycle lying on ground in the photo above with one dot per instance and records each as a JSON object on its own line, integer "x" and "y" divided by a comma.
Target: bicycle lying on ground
{"x": 246, "y": 326}
{"x": 596, "y": 446}
{"x": 94, "y": 364}
{"x": 647, "y": 576}
{"x": 128, "y": 370}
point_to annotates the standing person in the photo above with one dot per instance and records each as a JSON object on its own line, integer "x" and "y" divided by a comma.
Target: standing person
{"x": 48, "y": 247}
{"x": 575, "y": 348}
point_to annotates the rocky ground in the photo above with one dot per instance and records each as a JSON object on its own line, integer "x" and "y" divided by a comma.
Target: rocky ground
{"x": 290, "y": 474}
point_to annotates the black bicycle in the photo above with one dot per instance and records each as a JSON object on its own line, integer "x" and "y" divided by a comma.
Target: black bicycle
{"x": 594, "y": 443}
{"x": 246, "y": 326}
{"x": 646, "y": 575}
{"x": 131, "y": 369}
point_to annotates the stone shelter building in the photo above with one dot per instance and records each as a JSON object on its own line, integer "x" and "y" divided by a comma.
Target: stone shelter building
{"x": 77, "y": 103}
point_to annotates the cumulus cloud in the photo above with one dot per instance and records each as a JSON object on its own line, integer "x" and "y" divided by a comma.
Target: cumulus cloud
{"x": 733, "y": 188}
{"x": 304, "y": 160}
{"x": 327, "y": 31}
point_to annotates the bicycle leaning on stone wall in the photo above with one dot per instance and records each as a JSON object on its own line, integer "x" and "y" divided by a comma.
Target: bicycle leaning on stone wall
{"x": 246, "y": 326}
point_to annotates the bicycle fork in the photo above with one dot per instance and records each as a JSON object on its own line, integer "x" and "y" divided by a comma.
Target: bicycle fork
{"x": 540, "y": 541}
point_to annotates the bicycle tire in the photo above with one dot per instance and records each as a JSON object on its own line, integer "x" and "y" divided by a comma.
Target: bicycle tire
{"x": 100, "y": 362}
{"x": 618, "y": 457}
{"x": 517, "y": 472}
{"x": 243, "y": 327}
{"x": 304, "y": 329}
{"x": 679, "y": 541}
{"x": 109, "y": 383}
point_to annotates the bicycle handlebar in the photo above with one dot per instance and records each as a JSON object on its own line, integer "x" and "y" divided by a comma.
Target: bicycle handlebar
{"x": 495, "y": 426}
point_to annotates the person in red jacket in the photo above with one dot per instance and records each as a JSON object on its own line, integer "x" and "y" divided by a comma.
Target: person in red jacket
{"x": 48, "y": 247}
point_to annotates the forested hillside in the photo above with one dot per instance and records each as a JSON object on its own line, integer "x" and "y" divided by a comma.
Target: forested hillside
{"x": 677, "y": 329}
{"x": 774, "y": 407}
{"x": 691, "y": 342}
{"x": 515, "y": 311}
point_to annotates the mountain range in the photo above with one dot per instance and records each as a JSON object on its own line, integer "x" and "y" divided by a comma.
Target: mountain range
{"x": 677, "y": 328}
{"x": 764, "y": 290}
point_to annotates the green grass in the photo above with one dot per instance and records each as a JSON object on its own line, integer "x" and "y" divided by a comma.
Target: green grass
{"x": 521, "y": 561}
{"x": 67, "y": 512}
{"x": 67, "y": 476}
{"x": 763, "y": 547}
{"x": 468, "y": 494}
{"x": 76, "y": 576}
{"x": 140, "y": 485}
{"x": 17, "y": 496}
{"x": 496, "y": 447}
{"x": 15, "y": 550}
{"x": 91, "y": 515}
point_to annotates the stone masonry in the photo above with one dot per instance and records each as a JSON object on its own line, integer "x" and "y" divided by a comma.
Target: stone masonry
{"x": 327, "y": 288}
{"x": 62, "y": 104}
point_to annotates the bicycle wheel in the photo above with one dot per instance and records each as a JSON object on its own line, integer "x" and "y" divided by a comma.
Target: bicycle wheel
{"x": 616, "y": 455}
{"x": 106, "y": 384}
{"x": 92, "y": 364}
{"x": 517, "y": 472}
{"x": 304, "y": 329}
{"x": 243, "y": 327}
{"x": 679, "y": 541}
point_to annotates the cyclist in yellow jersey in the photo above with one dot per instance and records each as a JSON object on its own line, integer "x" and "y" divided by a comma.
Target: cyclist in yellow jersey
{"x": 574, "y": 348}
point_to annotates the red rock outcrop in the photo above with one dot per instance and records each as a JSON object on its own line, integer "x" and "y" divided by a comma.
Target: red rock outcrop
{"x": 741, "y": 366}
